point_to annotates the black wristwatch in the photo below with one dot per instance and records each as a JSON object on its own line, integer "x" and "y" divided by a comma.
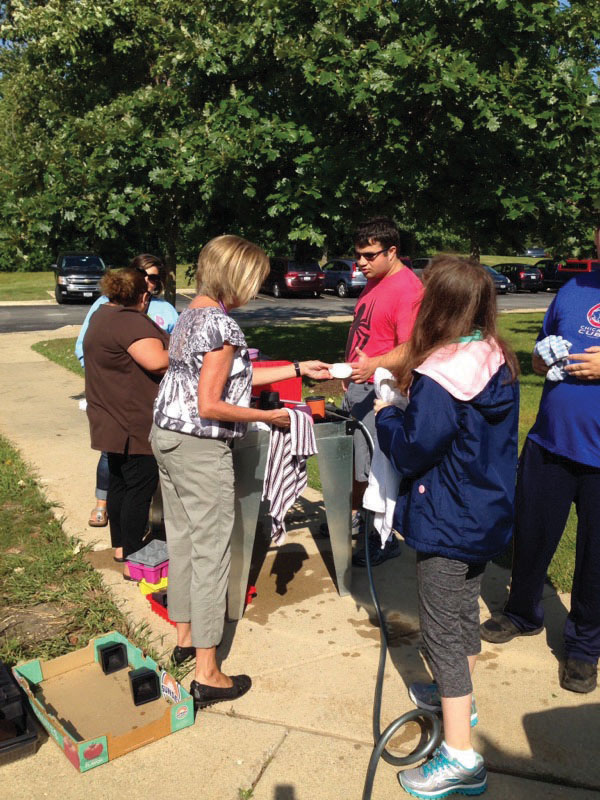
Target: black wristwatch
{"x": 297, "y": 368}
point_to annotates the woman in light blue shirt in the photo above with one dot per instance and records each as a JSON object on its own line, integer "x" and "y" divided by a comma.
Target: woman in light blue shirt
{"x": 165, "y": 316}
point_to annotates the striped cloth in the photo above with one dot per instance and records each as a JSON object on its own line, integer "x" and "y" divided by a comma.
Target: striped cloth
{"x": 554, "y": 351}
{"x": 285, "y": 475}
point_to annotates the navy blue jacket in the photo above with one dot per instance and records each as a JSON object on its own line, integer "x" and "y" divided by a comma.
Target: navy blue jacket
{"x": 458, "y": 458}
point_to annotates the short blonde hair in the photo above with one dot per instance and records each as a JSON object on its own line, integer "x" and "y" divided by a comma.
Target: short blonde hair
{"x": 231, "y": 269}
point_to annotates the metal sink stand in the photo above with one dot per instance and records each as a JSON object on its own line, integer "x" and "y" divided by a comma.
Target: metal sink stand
{"x": 334, "y": 443}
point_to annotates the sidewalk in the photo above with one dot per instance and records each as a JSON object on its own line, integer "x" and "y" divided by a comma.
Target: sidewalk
{"x": 304, "y": 730}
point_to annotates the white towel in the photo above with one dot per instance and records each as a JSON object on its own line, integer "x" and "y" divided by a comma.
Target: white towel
{"x": 554, "y": 350}
{"x": 285, "y": 474}
{"x": 384, "y": 482}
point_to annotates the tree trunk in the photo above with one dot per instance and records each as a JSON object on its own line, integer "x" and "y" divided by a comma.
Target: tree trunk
{"x": 171, "y": 265}
{"x": 597, "y": 241}
{"x": 474, "y": 247}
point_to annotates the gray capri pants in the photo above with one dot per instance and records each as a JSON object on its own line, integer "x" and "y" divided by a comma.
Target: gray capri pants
{"x": 358, "y": 400}
{"x": 449, "y": 615}
{"x": 196, "y": 477}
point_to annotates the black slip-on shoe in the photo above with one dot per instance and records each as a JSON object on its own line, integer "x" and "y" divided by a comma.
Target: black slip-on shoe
{"x": 377, "y": 554}
{"x": 181, "y": 654}
{"x": 499, "y": 629}
{"x": 209, "y": 695}
{"x": 579, "y": 676}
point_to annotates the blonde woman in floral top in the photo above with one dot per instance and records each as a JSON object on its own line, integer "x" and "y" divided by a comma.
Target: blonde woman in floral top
{"x": 202, "y": 405}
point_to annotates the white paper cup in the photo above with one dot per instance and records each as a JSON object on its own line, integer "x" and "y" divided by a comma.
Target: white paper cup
{"x": 341, "y": 370}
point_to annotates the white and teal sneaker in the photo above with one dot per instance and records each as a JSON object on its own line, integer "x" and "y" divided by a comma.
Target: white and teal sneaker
{"x": 427, "y": 695}
{"x": 442, "y": 776}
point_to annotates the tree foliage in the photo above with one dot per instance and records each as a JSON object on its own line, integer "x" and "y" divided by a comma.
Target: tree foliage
{"x": 131, "y": 125}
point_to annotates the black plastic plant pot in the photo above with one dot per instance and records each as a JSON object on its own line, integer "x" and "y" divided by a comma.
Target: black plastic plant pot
{"x": 145, "y": 685}
{"x": 113, "y": 657}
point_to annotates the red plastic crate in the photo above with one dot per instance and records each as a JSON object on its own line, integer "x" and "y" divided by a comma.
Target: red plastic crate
{"x": 289, "y": 389}
{"x": 160, "y": 608}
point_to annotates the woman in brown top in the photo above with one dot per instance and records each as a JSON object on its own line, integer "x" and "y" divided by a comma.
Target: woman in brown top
{"x": 125, "y": 357}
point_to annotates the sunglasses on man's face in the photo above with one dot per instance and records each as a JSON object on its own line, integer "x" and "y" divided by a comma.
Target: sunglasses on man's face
{"x": 370, "y": 256}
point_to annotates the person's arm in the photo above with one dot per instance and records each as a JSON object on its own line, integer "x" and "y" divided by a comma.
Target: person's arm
{"x": 587, "y": 367}
{"x": 79, "y": 343}
{"x": 215, "y": 371}
{"x": 538, "y": 365}
{"x": 150, "y": 355}
{"x": 419, "y": 437}
{"x": 365, "y": 366}
{"x": 317, "y": 370}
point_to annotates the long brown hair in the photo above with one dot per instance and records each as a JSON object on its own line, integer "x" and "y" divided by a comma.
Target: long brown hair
{"x": 460, "y": 297}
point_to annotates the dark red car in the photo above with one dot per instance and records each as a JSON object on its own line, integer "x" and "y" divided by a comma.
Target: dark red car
{"x": 294, "y": 277}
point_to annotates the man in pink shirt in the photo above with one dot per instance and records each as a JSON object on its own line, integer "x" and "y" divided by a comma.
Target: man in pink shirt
{"x": 384, "y": 317}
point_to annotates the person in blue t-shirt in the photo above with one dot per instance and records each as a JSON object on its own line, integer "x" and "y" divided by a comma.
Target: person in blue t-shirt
{"x": 165, "y": 316}
{"x": 560, "y": 464}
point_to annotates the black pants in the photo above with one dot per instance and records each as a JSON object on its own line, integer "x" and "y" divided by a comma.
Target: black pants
{"x": 133, "y": 481}
{"x": 547, "y": 485}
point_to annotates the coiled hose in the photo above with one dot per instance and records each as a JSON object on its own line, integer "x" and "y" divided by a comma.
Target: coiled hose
{"x": 380, "y": 739}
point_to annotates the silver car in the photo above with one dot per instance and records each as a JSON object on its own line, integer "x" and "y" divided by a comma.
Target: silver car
{"x": 344, "y": 277}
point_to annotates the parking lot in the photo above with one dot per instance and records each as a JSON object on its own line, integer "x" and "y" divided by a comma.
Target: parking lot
{"x": 265, "y": 310}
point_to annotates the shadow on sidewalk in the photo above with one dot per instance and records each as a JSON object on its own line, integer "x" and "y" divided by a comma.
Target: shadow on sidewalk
{"x": 563, "y": 744}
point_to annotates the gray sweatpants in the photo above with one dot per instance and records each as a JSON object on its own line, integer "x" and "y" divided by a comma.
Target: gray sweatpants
{"x": 448, "y": 592}
{"x": 196, "y": 477}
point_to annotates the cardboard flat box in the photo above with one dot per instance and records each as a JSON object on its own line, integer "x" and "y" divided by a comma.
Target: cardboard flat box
{"x": 92, "y": 716}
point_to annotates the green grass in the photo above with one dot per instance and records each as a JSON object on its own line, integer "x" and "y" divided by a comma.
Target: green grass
{"x": 36, "y": 285}
{"x": 26, "y": 285}
{"x": 326, "y": 340}
{"x": 39, "y": 564}
{"x": 61, "y": 351}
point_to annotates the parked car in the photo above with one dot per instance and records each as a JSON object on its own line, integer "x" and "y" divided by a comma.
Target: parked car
{"x": 344, "y": 277}
{"x": 77, "y": 276}
{"x": 294, "y": 277}
{"x": 523, "y": 276}
{"x": 418, "y": 265}
{"x": 535, "y": 252}
{"x": 574, "y": 266}
{"x": 552, "y": 279}
{"x": 503, "y": 284}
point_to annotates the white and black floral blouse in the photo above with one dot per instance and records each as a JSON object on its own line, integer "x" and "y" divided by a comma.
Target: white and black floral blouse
{"x": 199, "y": 331}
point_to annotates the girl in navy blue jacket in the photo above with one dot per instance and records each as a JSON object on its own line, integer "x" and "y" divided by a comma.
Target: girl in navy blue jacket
{"x": 455, "y": 447}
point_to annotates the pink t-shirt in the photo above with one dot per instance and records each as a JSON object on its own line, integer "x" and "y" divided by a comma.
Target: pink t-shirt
{"x": 385, "y": 314}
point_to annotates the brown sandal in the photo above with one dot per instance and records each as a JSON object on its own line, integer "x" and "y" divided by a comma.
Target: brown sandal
{"x": 98, "y": 518}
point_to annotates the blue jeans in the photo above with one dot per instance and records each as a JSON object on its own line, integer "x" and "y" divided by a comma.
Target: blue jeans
{"x": 102, "y": 477}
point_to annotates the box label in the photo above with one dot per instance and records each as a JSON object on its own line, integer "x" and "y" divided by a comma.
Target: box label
{"x": 182, "y": 715}
{"x": 93, "y": 753}
{"x": 169, "y": 687}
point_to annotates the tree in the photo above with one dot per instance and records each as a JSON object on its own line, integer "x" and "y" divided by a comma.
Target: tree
{"x": 132, "y": 125}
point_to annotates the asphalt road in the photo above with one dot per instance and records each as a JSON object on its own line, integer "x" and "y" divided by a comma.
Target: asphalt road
{"x": 264, "y": 310}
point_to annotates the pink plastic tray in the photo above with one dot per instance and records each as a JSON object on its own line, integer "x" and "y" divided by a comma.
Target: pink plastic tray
{"x": 149, "y": 574}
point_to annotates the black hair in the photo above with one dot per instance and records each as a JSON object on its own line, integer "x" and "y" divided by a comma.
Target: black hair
{"x": 380, "y": 229}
